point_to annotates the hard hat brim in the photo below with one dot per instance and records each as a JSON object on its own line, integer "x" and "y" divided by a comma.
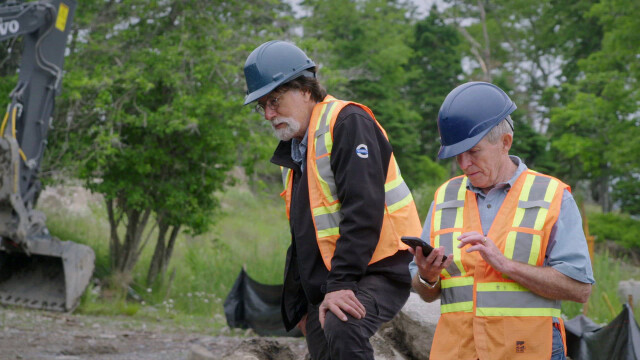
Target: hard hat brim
{"x": 462, "y": 146}
{"x": 259, "y": 93}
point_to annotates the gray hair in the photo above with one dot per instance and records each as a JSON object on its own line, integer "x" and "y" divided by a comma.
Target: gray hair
{"x": 504, "y": 127}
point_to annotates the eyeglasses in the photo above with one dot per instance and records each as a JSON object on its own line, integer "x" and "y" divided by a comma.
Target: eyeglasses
{"x": 271, "y": 103}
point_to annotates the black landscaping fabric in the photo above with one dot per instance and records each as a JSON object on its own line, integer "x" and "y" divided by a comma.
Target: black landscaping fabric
{"x": 251, "y": 304}
{"x": 619, "y": 340}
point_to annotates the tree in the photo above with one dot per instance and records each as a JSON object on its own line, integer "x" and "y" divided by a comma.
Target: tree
{"x": 367, "y": 52}
{"x": 154, "y": 101}
{"x": 434, "y": 70}
{"x": 597, "y": 130}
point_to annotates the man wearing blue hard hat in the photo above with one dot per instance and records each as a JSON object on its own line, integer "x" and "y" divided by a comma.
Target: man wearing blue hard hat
{"x": 346, "y": 269}
{"x": 512, "y": 238}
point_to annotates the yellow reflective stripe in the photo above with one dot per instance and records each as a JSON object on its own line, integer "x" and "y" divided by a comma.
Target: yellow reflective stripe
{"x": 517, "y": 219}
{"x": 518, "y": 312}
{"x": 510, "y": 244}
{"x": 322, "y": 111}
{"x": 535, "y": 249}
{"x": 437, "y": 219}
{"x": 459, "y": 218}
{"x": 400, "y": 204}
{"x": 463, "y": 189}
{"x": 551, "y": 190}
{"x": 457, "y": 253}
{"x": 393, "y": 184}
{"x": 500, "y": 286}
{"x": 542, "y": 215}
{"x": 456, "y": 281}
{"x": 441, "y": 191}
{"x": 322, "y": 210}
{"x": 326, "y": 189}
{"x": 328, "y": 232}
{"x": 466, "y": 306}
{"x": 328, "y": 139}
{"x": 526, "y": 188}
{"x": 548, "y": 197}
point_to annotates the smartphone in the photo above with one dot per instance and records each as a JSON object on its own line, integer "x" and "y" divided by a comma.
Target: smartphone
{"x": 416, "y": 241}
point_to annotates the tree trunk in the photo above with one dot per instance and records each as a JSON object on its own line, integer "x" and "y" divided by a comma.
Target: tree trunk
{"x": 162, "y": 253}
{"x": 114, "y": 243}
{"x": 158, "y": 254}
{"x": 169, "y": 251}
{"x": 124, "y": 255}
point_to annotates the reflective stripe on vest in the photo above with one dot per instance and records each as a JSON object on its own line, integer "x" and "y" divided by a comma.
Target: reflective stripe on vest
{"x": 286, "y": 176}
{"x": 512, "y": 299}
{"x": 523, "y": 244}
{"x": 328, "y": 218}
{"x": 456, "y": 294}
{"x": 448, "y": 214}
{"x": 533, "y": 205}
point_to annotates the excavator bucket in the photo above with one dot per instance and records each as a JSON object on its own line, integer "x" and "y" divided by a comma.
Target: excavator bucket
{"x": 52, "y": 277}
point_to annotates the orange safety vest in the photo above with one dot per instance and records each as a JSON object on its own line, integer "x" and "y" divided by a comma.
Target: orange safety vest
{"x": 400, "y": 214}
{"x": 484, "y": 314}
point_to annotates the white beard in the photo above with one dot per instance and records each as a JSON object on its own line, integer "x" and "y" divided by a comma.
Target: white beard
{"x": 287, "y": 132}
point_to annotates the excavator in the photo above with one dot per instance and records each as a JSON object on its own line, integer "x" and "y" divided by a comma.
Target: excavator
{"x": 37, "y": 270}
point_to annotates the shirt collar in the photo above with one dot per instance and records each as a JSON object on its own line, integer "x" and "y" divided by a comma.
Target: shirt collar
{"x": 299, "y": 148}
{"x": 506, "y": 185}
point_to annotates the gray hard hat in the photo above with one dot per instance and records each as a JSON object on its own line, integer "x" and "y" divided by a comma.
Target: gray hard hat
{"x": 273, "y": 64}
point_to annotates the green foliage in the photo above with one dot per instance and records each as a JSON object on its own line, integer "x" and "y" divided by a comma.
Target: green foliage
{"x": 252, "y": 232}
{"x": 596, "y": 131}
{"x": 617, "y": 227}
{"x": 365, "y": 46}
{"x": 152, "y": 110}
{"x": 608, "y": 272}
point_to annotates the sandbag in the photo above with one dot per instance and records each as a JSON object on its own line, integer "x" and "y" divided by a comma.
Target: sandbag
{"x": 620, "y": 339}
{"x": 251, "y": 304}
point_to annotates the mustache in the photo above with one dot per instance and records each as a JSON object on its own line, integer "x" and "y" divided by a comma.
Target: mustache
{"x": 278, "y": 121}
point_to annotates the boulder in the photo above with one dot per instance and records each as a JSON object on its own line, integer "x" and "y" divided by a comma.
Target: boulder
{"x": 629, "y": 287}
{"x": 198, "y": 352}
{"x": 408, "y": 336}
{"x": 262, "y": 349}
{"x": 411, "y": 331}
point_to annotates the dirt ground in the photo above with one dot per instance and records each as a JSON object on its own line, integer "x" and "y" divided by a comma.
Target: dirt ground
{"x": 38, "y": 335}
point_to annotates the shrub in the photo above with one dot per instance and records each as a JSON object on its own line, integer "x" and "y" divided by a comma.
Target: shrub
{"x": 620, "y": 228}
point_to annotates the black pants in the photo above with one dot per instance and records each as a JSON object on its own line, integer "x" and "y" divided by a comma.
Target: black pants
{"x": 382, "y": 299}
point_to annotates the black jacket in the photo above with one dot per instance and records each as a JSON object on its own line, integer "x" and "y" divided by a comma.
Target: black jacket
{"x": 360, "y": 185}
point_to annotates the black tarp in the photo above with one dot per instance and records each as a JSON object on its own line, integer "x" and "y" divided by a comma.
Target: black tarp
{"x": 251, "y": 304}
{"x": 618, "y": 340}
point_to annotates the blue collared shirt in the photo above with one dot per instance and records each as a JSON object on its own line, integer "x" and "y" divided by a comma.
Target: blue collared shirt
{"x": 299, "y": 150}
{"x": 567, "y": 251}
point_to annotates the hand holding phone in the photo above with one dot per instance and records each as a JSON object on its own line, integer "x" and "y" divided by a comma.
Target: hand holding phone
{"x": 416, "y": 241}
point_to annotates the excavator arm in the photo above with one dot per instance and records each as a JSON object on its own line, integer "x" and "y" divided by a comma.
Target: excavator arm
{"x": 36, "y": 269}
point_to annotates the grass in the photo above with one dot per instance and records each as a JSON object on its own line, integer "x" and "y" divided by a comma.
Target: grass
{"x": 604, "y": 304}
{"x": 250, "y": 231}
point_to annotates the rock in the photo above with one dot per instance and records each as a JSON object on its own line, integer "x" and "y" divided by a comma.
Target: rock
{"x": 408, "y": 336}
{"x": 383, "y": 349}
{"x": 198, "y": 352}
{"x": 629, "y": 287}
{"x": 412, "y": 330}
{"x": 261, "y": 349}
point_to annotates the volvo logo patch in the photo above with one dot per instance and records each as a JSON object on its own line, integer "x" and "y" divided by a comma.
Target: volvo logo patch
{"x": 362, "y": 151}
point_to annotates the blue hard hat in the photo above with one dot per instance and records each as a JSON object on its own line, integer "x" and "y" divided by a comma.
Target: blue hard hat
{"x": 271, "y": 65}
{"x": 468, "y": 113}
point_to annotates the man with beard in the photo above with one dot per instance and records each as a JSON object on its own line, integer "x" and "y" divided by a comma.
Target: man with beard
{"x": 346, "y": 271}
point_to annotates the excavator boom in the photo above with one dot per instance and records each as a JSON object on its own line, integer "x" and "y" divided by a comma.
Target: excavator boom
{"x": 36, "y": 269}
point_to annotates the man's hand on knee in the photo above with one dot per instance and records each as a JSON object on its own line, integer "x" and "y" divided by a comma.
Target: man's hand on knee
{"x": 339, "y": 302}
